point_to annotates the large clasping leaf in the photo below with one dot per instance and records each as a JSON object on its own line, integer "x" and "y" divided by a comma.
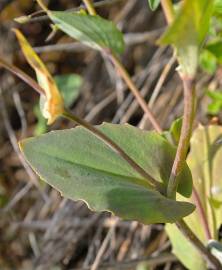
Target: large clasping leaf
{"x": 81, "y": 166}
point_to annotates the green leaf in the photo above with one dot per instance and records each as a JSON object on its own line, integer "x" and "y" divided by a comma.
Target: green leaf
{"x": 41, "y": 125}
{"x": 208, "y": 62}
{"x": 214, "y": 108}
{"x": 93, "y": 31}
{"x": 81, "y": 166}
{"x": 218, "y": 7}
{"x": 216, "y": 105}
{"x": 188, "y": 31}
{"x": 69, "y": 86}
{"x": 184, "y": 250}
{"x": 153, "y": 4}
{"x": 173, "y": 134}
{"x": 215, "y": 48}
{"x": 175, "y": 129}
{"x": 215, "y": 95}
{"x": 205, "y": 159}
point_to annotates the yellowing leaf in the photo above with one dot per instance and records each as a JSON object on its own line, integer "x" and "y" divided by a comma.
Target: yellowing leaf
{"x": 54, "y": 105}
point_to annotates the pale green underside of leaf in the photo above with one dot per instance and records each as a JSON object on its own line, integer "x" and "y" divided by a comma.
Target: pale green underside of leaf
{"x": 81, "y": 166}
{"x": 93, "y": 31}
{"x": 205, "y": 159}
{"x": 69, "y": 86}
{"x": 184, "y": 250}
{"x": 153, "y": 4}
{"x": 188, "y": 31}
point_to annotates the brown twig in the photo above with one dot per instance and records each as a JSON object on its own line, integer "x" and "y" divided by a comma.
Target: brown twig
{"x": 14, "y": 144}
{"x": 129, "y": 264}
{"x": 97, "y": 5}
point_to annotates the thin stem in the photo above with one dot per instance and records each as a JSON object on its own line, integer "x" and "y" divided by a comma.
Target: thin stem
{"x": 188, "y": 117}
{"x": 90, "y": 7}
{"x": 126, "y": 77}
{"x": 168, "y": 10}
{"x": 187, "y": 232}
{"x": 116, "y": 148}
{"x": 23, "y": 76}
{"x": 202, "y": 214}
{"x": 124, "y": 74}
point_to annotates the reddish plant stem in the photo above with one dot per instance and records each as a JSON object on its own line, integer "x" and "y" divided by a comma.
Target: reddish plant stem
{"x": 202, "y": 214}
{"x": 22, "y": 75}
{"x": 188, "y": 116}
{"x": 126, "y": 77}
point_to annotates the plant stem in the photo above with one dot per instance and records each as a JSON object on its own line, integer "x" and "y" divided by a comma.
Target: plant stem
{"x": 188, "y": 117}
{"x": 126, "y": 77}
{"x": 168, "y": 10}
{"x": 23, "y": 76}
{"x": 202, "y": 214}
{"x": 116, "y": 148}
{"x": 187, "y": 232}
{"x": 186, "y": 130}
{"x": 90, "y": 7}
{"x": 124, "y": 74}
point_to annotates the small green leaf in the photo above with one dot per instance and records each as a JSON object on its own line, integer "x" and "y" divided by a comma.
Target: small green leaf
{"x": 41, "y": 125}
{"x": 217, "y": 7}
{"x": 175, "y": 129}
{"x": 188, "y": 32}
{"x": 82, "y": 167}
{"x": 173, "y": 134}
{"x": 153, "y": 4}
{"x": 93, "y": 31}
{"x": 215, "y": 48}
{"x": 208, "y": 62}
{"x": 216, "y": 105}
{"x": 69, "y": 86}
{"x": 215, "y": 95}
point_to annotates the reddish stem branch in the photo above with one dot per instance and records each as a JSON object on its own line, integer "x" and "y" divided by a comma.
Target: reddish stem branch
{"x": 124, "y": 74}
{"x": 22, "y": 75}
{"x": 188, "y": 116}
{"x": 202, "y": 214}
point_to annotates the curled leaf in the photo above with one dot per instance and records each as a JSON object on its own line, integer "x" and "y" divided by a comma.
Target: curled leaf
{"x": 53, "y": 105}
